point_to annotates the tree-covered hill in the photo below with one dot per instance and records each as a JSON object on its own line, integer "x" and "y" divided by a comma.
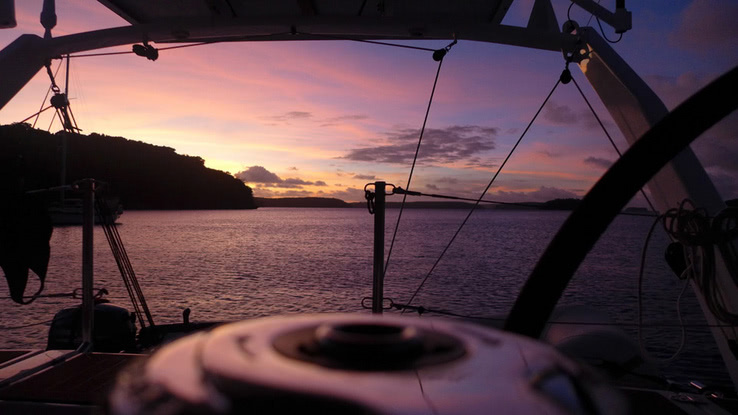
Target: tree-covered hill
{"x": 143, "y": 176}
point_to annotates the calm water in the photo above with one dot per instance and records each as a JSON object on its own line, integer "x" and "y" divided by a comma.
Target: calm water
{"x": 231, "y": 265}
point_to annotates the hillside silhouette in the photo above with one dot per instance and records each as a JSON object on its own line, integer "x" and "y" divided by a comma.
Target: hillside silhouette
{"x": 143, "y": 176}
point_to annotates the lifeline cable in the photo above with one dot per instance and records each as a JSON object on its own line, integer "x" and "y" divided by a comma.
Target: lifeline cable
{"x": 558, "y": 81}
{"x": 655, "y": 324}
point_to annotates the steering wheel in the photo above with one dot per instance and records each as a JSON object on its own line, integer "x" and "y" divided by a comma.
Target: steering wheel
{"x": 610, "y": 194}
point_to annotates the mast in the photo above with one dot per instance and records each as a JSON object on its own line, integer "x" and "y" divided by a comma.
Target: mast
{"x": 63, "y": 173}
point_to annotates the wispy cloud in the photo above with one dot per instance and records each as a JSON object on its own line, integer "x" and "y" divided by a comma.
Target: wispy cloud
{"x": 559, "y": 113}
{"x": 343, "y": 119}
{"x": 565, "y": 115}
{"x": 550, "y": 154}
{"x": 287, "y": 117}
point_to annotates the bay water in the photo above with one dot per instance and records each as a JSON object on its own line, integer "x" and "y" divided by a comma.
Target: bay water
{"x": 241, "y": 264}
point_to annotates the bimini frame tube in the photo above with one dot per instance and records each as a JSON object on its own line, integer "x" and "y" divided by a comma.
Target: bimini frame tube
{"x": 25, "y": 56}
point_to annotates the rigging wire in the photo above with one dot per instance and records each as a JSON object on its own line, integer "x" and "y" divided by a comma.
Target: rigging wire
{"x": 128, "y": 52}
{"x": 189, "y": 45}
{"x": 36, "y": 114}
{"x": 417, "y": 150}
{"x": 602, "y": 125}
{"x": 125, "y": 267}
{"x": 373, "y": 42}
{"x": 478, "y": 201}
{"x": 42, "y": 109}
{"x": 53, "y": 118}
{"x": 90, "y": 55}
{"x": 657, "y": 324}
{"x": 60, "y": 102}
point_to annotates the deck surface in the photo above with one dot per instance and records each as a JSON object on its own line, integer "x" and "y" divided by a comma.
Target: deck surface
{"x": 83, "y": 380}
{"x": 7, "y": 355}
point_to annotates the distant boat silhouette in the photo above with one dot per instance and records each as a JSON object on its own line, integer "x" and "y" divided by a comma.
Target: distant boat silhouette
{"x": 68, "y": 211}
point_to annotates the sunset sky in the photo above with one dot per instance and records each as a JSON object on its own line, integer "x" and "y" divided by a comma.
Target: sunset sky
{"x": 325, "y": 118}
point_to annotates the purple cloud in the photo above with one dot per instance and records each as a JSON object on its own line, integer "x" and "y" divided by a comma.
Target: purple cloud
{"x": 598, "y": 162}
{"x": 707, "y": 26}
{"x": 559, "y": 113}
{"x": 439, "y": 146}
{"x": 258, "y": 174}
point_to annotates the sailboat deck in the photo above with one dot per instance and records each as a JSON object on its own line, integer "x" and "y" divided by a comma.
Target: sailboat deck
{"x": 81, "y": 385}
{"x": 78, "y": 385}
{"x": 8, "y": 355}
